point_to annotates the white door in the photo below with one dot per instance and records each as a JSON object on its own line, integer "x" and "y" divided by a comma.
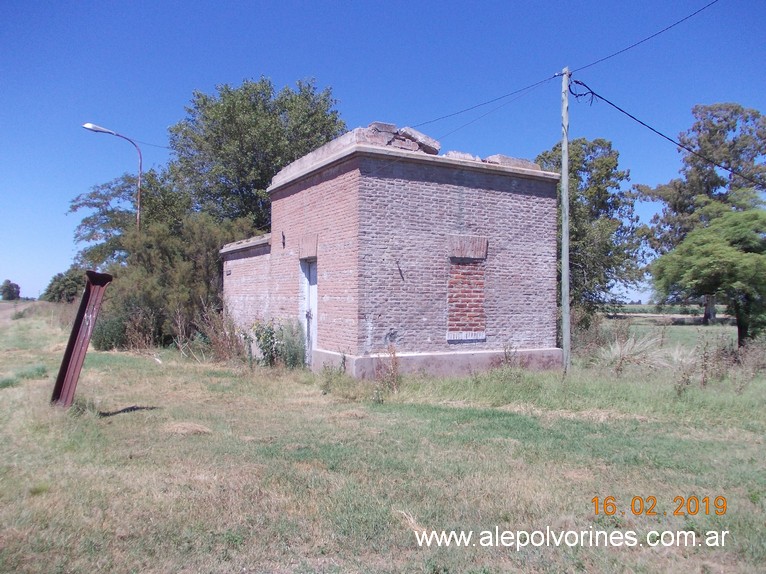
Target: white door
{"x": 309, "y": 318}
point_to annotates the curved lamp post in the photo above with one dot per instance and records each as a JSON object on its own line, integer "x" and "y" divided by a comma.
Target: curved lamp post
{"x": 100, "y": 130}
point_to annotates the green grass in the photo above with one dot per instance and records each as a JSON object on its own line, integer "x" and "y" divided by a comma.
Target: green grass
{"x": 694, "y": 310}
{"x": 35, "y": 372}
{"x": 684, "y": 335}
{"x": 233, "y": 470}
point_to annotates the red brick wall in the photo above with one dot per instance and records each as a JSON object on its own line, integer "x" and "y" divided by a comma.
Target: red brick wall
{"x": 409, "y": 209}
{"x": 325, "y": 205}
{"x": 246, "y": 285}
{"x": 383, "y": 227}
{"x": 465, "y": 297}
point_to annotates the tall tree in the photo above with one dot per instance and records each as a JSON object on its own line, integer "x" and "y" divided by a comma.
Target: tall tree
{"x": 9, "y": 290}
{"x": 723, "y": 171}
{"x": 172, "y": 273}
{"x": 65, "y": 287}
{"x": 111, "y": 213}
{"x": 726, "y": 259}
{"x": 232, "y": 143}
{"x": 728, "y": 135}
{"x": 604, "y": 247}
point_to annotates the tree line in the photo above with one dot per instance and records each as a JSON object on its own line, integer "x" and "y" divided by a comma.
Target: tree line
{"x": 167, "y": 275}
{"x": 708, "y": 239}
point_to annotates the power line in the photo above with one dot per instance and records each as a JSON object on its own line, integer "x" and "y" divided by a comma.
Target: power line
{"x": 153, "y": 145}
{"x": 645, "y": 39}
{"x": 530, "y": 86}
{"x": 492, "y": 101}
{"x": 521, "y": 93}
{"x": 593, "y": 95}
{"x": 558, "y": 74}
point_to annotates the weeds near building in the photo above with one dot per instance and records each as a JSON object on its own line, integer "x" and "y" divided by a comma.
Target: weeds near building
{"x": 280, "y": 344}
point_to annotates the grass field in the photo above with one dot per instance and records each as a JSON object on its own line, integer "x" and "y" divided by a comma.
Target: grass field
{"x": 168, "y": 465}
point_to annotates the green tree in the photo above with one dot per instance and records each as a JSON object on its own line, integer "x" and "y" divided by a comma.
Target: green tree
{"x": 729, "y": 135}
{"x": 111, "y": 213}
{"x": 726, "y": 259}
{"x": 604, "y": 247}
{"x": 232, "y": 143}
{"x": 171, "y": 276}
{"x": 65, "y": 287}
{"x": 10, "y": 291}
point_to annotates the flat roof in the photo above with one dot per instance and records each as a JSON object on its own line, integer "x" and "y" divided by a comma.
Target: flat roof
{"x": 246, "y": 243}
{"x": 386, "y": 141}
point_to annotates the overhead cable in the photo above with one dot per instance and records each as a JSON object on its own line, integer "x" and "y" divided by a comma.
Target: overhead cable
{"x": 645, "y": 39}
{"x": 492, "y": 101}
{"x": 557, "y": 74}
{"x": 521, "y": 93}
{"x": 154, "y": 145}
{"x": 589, "y": 93}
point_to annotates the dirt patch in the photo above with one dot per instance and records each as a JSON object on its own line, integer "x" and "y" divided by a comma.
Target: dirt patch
{"x": 186, "y": 428}
{"x": 8, "y": 310}
{"x": 353, "y": 414}
{"x": 590, "y": 415}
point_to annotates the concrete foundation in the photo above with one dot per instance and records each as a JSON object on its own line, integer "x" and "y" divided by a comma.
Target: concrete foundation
{"x": 437, "y": 364}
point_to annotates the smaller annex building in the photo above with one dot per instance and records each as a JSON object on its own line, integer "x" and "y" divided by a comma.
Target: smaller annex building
{"x": 381, "y": 246}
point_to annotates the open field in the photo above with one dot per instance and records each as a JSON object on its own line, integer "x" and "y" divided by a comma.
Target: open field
{"x": 167, "y": 465}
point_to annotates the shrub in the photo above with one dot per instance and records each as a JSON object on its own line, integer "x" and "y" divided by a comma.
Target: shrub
{"x": 139, "y": 330}
{"x": 589, "y": 333}
{"x": 266, "y": 339}
{"x": 109, "y": 332}
{"x": 280, "y": 344}
{"x": 218, "y": 328}
{"x": 293, "y": 349}
{"x": 636, "y": 351}
{"x": 387, "y": 376}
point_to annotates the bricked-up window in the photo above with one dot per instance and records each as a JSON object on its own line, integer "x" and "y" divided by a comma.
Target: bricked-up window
{"x": 466, "y": 320}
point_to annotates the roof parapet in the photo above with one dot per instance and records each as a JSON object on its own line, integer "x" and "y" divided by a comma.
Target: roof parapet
{"x": 386, "y": 135}
{"x": 247, "y": 243}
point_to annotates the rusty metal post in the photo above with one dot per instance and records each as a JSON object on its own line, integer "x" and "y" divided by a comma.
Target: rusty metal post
{"x": 79, "y": 339}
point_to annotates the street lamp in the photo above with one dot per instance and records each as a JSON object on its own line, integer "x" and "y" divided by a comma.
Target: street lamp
{"x": 100, "y": 130}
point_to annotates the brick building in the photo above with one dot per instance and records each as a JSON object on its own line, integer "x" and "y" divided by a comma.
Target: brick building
{"x": 377, "y": 243}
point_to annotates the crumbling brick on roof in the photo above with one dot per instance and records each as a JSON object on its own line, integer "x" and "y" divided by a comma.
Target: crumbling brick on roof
{"x": 381, "y": 133}
{"x": 407, "y": 138}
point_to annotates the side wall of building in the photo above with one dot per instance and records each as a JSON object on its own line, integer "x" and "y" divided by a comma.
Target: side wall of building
{"x": 246, "y": 285}
{"x": 318, "y": 219}
{"x": 411, "y": 214}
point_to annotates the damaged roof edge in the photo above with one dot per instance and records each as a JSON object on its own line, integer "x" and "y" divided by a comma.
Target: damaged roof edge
{"x": 405, "y": 143}
{"x": 246, "y": 243}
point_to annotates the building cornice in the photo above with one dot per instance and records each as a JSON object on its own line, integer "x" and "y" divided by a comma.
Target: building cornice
{"x": 349, "y": 146}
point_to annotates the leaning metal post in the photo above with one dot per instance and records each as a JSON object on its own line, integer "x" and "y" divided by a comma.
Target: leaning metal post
{"x": 79, "y": 339}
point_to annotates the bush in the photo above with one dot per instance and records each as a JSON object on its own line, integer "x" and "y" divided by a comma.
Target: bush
{"x": 280, "y": 344}
{"x": 217, "y": 327}
{"x": 110, "y": 332}
{"x": 635, "y": 351}
{"x": 293, "y": 351}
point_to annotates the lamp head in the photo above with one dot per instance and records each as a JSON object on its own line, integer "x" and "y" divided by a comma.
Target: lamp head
{"x": 98, "y": 129}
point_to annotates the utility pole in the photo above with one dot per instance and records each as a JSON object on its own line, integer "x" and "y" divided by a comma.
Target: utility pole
{"x": 566, "y": 343}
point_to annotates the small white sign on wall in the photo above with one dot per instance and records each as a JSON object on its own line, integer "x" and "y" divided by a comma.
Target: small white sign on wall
{"x": 465, "y": 336}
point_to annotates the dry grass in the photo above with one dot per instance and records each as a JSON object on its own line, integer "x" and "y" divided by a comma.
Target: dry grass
{"x": 239, "y": 471}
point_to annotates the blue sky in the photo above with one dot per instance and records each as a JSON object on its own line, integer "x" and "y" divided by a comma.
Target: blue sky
{"x": 133, "y": 66}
